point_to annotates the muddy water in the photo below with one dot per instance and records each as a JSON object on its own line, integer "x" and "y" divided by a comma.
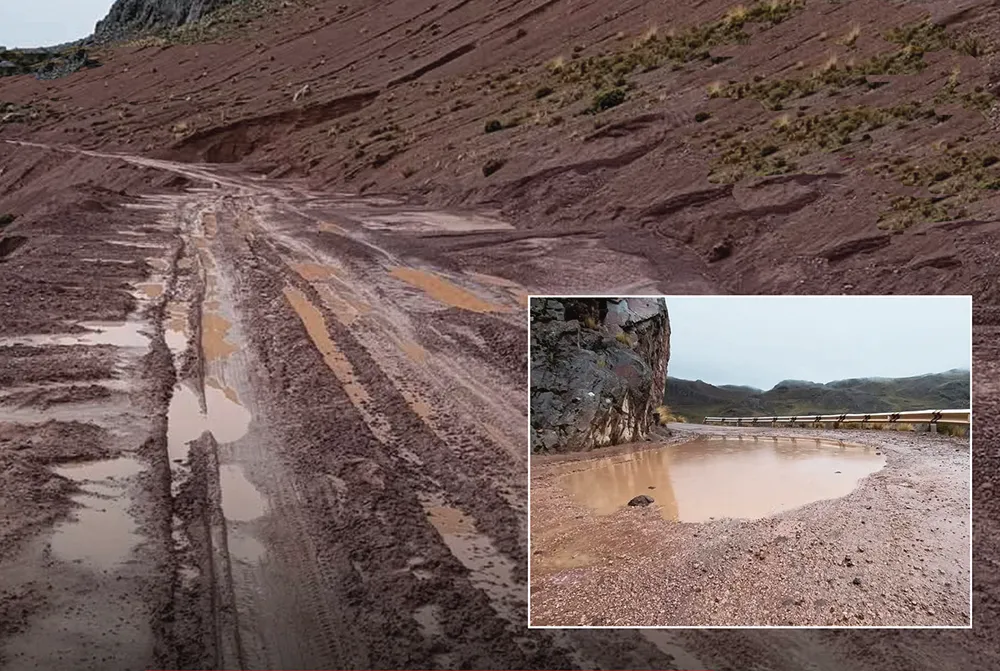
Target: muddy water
{"x": 119, "y": 334}
{"x": 716, "y": 478}
{"x": 489, "y": 570}
{"x": 224, "y": 417}
{"x": 101, "y": 533}
{"x": 444, "y": 291}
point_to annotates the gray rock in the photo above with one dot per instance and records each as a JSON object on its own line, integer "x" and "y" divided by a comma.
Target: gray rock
{"x": 590, "y": 387}
{"x": 132, "y": 17}
{"x": 641, "y": 500}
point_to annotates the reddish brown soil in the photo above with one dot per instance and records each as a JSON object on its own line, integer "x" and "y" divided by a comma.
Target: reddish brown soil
{"x": 346, "y": 455}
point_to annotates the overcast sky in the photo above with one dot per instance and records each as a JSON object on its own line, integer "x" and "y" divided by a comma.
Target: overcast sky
{"x": 762, "y": 340}
{"x": 44, "y": 23}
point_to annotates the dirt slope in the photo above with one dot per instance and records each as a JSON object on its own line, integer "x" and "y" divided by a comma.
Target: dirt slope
{"x": 399, "y": 96}
{"x": 619, "y": 200}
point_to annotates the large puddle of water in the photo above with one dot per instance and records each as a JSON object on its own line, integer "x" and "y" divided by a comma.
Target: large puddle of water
{"x": 225, "y": 417}
{"x": 716, "y": 478}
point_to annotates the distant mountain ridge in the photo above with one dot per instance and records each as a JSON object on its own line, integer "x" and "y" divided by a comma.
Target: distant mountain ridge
{"x": 696, "y": 399}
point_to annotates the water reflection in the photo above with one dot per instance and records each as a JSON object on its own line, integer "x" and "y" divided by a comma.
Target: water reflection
{"x": 715, "y": 478}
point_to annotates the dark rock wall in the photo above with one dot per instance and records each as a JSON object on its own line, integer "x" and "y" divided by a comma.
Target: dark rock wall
{"x": 131, "y": 17}
{"x": 598, "y": 370}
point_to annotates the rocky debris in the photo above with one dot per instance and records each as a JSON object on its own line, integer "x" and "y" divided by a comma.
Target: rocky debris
{"x": 46, "y": 63}
{"x": 598, "y": 370}
{"x": 128, "y": 18}
{"x": 641, "y": 500}
{"x": 720, "y": 251}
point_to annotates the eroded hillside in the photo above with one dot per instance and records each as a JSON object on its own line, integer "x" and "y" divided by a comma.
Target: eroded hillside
{"x": 808, "y": 146}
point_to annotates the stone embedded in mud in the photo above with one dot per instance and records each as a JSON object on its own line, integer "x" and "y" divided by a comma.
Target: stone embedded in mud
{"x": 641, "y": 500}
{"x": 598, "y": 369}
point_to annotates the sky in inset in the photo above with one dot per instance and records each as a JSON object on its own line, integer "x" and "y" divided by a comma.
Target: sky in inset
{"x": 45, "y": 23}
{"x": 761, "y": 340}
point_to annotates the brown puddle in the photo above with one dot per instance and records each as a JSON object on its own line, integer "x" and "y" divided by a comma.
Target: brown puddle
{"x": 715, "y": 478}
{"x": 151, "y": 289}
{"x": 450, "y": 520}
{"x": 337, "y": 362}
{"x": 347, "y": 310}
{"x": 314, "y": 271}
{"x": 214, "y": 330}
{"x": 416, "y": 353}
{"x": 444, "y": 291}
{"x": 102, "y": 533}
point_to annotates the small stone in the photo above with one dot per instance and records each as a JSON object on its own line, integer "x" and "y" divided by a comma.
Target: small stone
{"x": 856, "y": 581}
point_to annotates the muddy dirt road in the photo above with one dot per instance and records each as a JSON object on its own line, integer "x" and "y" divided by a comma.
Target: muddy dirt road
{"x": 750, "y": 528}
{"x": 310, "y": 445}
{"x": 243, "y": 425}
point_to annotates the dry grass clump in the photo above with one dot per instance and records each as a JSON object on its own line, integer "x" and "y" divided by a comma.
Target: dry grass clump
{"x": 914, "y": 42}
{"x": 609, "y": 71}
{"x": 775, "y": 151}
{"x": 664, "y": 415}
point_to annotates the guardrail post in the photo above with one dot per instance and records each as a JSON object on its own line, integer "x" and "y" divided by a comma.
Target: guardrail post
{"x": 933, "y": 427}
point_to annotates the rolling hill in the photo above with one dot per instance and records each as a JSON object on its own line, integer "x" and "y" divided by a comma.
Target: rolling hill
{"x": 696, "y": 399}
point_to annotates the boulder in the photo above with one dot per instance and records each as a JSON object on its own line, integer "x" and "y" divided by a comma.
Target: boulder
{"x": 598, "y": 370}
{"x": 641, "y": 500}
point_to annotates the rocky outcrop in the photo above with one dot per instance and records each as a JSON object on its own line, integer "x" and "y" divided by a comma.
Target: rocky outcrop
{"x": 598, "y": 370}
{"x": 45, "y": 63}
{"x": 132, "y": 17}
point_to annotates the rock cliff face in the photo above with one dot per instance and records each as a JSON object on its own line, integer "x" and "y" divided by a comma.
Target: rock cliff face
{"x": 131, "y": 17}
{"x": 598, "y": 370}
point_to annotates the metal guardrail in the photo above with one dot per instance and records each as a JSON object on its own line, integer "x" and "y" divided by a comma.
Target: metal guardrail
{"x": 911, "y": 417}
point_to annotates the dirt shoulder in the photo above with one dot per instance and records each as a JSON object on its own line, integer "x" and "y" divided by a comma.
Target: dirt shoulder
{"x": 894, "y": 552}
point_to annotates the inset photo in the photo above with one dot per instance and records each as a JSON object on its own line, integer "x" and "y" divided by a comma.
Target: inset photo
{"x": 750, "y": 461}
